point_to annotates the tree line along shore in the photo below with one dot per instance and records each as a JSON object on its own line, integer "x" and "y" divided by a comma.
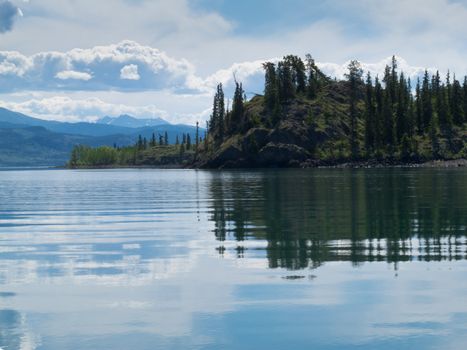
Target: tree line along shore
{"x": 307, "y": 119}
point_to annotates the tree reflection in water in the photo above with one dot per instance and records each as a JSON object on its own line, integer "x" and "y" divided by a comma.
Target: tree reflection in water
{"x": 311, "y": 217}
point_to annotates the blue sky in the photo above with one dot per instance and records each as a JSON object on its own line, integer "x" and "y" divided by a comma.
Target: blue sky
{"x": 79, "y": 60}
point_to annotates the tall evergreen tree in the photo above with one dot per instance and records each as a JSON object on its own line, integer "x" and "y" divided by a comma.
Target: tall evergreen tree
{"x": 426, "y": 104}
{"x": 393, "y": 86}
{"x": 286, "y": 85}
{"x": 354, "y": 78}
{"x": 379, "y": 97}
{"x": 370, "y": 116}
{"x": 270, "y": 85}
{"x": 457, "y": 103}
{"x": 312, "y": 82}
{"x": 388, "y": 122}
{"x": 419, "y": 108}
{"x": 217, "y": 120}
{"x": 236, "y": 115}
{"x": 402, "y": 110}
{"x": 188, "y": 141}
{"x": 166, "y": 139}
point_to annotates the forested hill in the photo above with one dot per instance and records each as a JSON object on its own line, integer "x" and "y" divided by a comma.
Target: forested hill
{"x": 305, "y": 118}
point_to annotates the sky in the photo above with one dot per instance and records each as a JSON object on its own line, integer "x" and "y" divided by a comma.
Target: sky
{"x": 74, "y": 60}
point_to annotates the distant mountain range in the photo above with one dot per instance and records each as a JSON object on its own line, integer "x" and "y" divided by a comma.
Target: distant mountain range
{"x": 128, "y": 121}
{"x": 27, "y": 141}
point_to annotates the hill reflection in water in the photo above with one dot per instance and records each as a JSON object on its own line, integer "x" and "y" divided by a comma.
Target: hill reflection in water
{"x": 308, "y": 218}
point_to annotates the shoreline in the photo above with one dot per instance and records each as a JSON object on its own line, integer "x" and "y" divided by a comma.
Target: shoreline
{"x": 369, "y": 164}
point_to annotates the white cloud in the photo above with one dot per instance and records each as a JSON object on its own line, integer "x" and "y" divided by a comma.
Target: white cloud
{"x": 130, "y": 72}
{"x": 176, "y": 108}
{"x": 114, "y": 67}
{"x": 72, "y": 74}
{"x": 376, "y": 69}
{"x": 72, "y": 110}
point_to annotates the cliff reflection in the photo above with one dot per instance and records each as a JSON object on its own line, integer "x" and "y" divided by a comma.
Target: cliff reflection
{"x": 307, "y": 218}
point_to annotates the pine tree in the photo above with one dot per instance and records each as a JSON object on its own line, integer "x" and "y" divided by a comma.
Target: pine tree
{"x": 271, "y": 95}
{"x": 419, "y": 108}
{"x": 394, "y": 80}
{"x": 177, "y": 140}
{"x": 402, "y": 110}
{"x": 426, "y": 104}
{"x": 188, "y": 141}
{"x": 457, "y": 103}
{"x": 286, "y": 85}
{"x": 442, "y": 107}
{"x": 354, "y": 78}
{"x": 388, "y": 122}
{"x": 297, "y": 68}
{"x": 153, "y": 140}
{"x": 434, "y": 138}
{"x": 379, "y": 97}
{"x": 312, "y": 83}
{"x": 370, "y": 116}
{"x": 221, "y": 111}
{"x": 411, "y": 113}
{"x": 217, "y": 123}
{"x": 166, "y": 139}
{"x": 236, "y": 115}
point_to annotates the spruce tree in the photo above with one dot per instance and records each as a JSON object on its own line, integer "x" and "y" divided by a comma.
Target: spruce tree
{"x": 457, "y": 103}
{"x": 419, "y": 108}
{"x": 312, "y": 83}
{"x": 402, "y": 108}
{"x": 188, "y": 141}
{"x": 388, "y": 122}
{"x": 354, "y": 78}
{"x": 286, "y": 85}
{"x": 166, "y": 139}
{"x": 426, "y": 104}
{"x": 236, "y": 115}
{"x": 379, "y": 97}
{"x": 271, "y": 96}
{"x": 370, "y": 116}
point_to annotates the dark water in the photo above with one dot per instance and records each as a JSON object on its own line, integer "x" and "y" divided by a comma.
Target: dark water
{"x": 162, "y": 259}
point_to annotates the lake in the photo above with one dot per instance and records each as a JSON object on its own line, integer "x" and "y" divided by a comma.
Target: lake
{"x": 277, "y": 259}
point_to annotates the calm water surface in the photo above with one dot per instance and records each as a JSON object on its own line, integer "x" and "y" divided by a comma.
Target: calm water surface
{"x": 291, "y": 259}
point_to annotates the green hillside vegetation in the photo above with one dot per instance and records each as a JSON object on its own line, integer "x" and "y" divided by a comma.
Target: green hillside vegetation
{"x": 305, "y": 118}
{"x": 155, "y": 152}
